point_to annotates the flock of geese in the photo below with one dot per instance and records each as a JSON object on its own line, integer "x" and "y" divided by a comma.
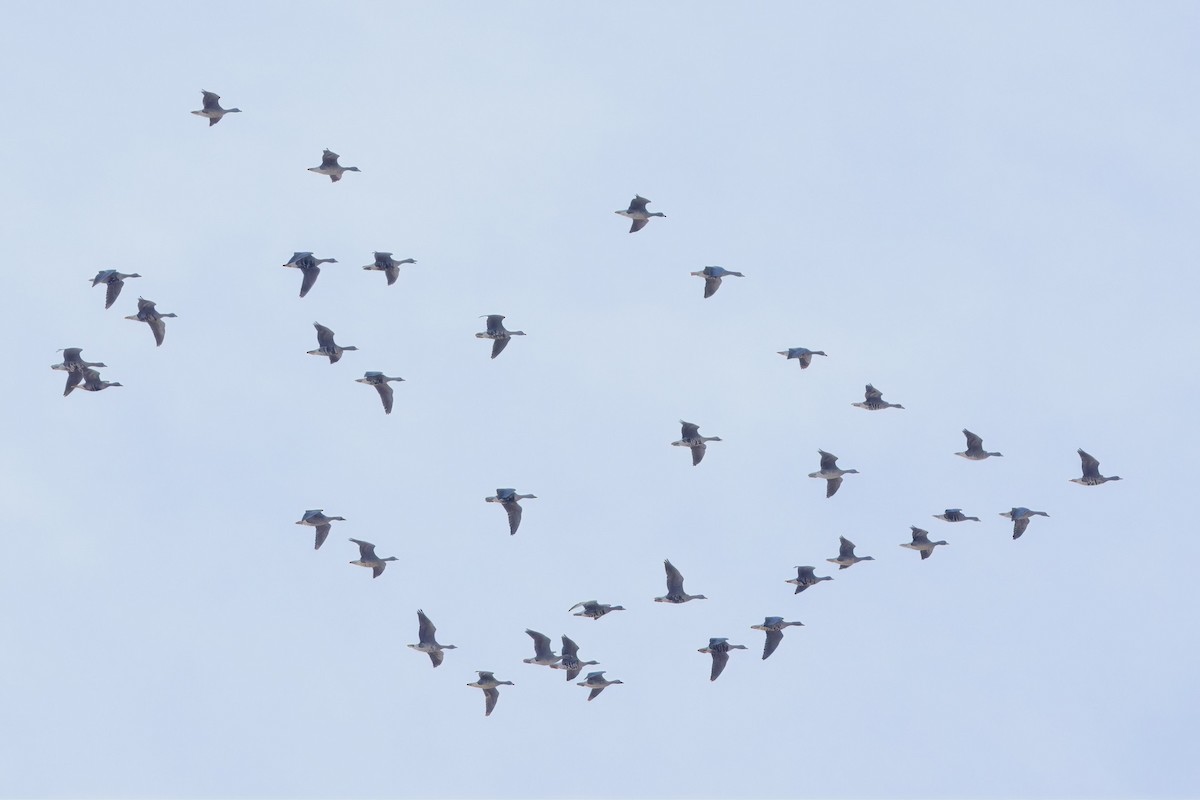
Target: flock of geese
{"x": 82, "y": 374}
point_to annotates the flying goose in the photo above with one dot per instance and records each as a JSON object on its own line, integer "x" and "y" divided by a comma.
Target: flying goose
{"x": 570, "y": 659}
{"x": 846, "y": 557}
{"x": 367, "y": 558}
{"x": 719, "y": 648}
{"x": 331, "y": 167}
{"x": 212, "y": 108}
{"x": 954, "y": 515}
{"x": 920, "y": 542}
{"x": 831, "y": 473}
{"x": 497, "y": 333}
{"x": 691, "y": 438}
{"x": 638, "y": 213}
{"x": 1021, "y": 517}
{"x": 380, "y": 382}
{"x": 314, "y": 518}
{"x": 801, "y": 354}
{"x": 509, "y": 499}
{"x": 1091, "y": 472}
{"x": 487, "y": 681}
{"x": 806, "y": 577}
{"x": 388, "y": 266}
{"x": 596, "y": 682}
{"x": 148, "y": 314}
{"x": 675, "y": 593}
{"x": 326, "y": 346}
{"x": 427, "y": 633}
{"x": 712, "y": 278}
{"x": 92, "y": 383}
{"x": 542, "y": 654}
{"x": 115, "y": 281}
{"x": 310, "y": 266}
{"x": 874, "y": 400}
{"x": 593, "y": 610}
{"x": 74, "y": 366}
{"x": 773, "y": 626}
{"x": 975, "y": 451}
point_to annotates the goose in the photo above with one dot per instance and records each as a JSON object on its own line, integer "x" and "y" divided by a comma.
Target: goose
{"x": 597, "y": 683}
{"x": 675, "y": 593}
{"x": 427, "y": 633}
{"x": 92, "y": 383}
{"x": 1021, "y": 517}
{"x": 314, "y": 518}
{"x": 712, "y": 278}
{"x": 1091, "y": 472}
{"x": 955, "y": 515}
{"x": 570, "y": 659}
{"x": 326, "y": 346}
{"x": 115, "y": 281}
{"x": 691, "y": 438}
{"x": 487, "y": 681}
{"x": 311, "y": 267}
{"x": 148, "y": 314}
{"x": 331, "y": 167}
{"x": 367, "y": 558}
{"x": 975, "y": 451}
{"x": 388, "y": 266}
{"x": 846, "y": 557}
{"x": 773, "y": 626}
{"x": 638, "y": 213}
{"x": 806, "y": 577}
{"x": 920, "y": 542}
{"x": 497, "y": 333}
{"x": 212, "y": 108}
{"x": 542, "y": 654}
{"x": 719, "y": 648}
{"x": 74, "y": 366}
{"x": 380, "y": 382}
{"x": 593, "y": 610}
{"x": 509, "y": 499}
{"x": 874, "y": 401}
{"x": 831, "y": 473}
{"x": 801, "y": 354}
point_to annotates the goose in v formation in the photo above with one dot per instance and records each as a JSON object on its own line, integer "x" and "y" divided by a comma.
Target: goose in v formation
{"x": 150, "y": 315}
{"x": 543, "y": 656}
{"x": 806, "y": 577}
{"x": 326, "y": 346}
{"x": 1091, "y": 472}
{"x": 380, "y": 382}
{"x": 569, "y": 660}
{"x": 593, "y": 610}
{"x": 510, "y": 501}
{"x": 1021, "y": 517}
{"x": 975, "y": 451}
{"x": 691, "y": 438}
{"x": 488, "y": 683}
{"x": 675, "y": 593}
{"x": 91, "y": 383}
{"x": 331, "y": 167}
{"x": 497, "y": 333}
{"x": 212, "y": 108}
{"x": 388, "y": 266}
{"x": 712, "y": 278}
{"x": 920, "y": 542}
{"x": 831, "y": 472}
{"x": 115, "y": 281}
{"x": 315, "y": 518}
{"x": 874, "y": 400}
{"x": 801, "y": 354}
{"x": 955, "y": 515}
{"x": 310, "y": 266}
{"x": 719, "y": 648}
{"x": 846, "y": 557}
{"x": 638, "y": 213}
{"x": 597, "y": 683}
{"x": 773, "y": 627}
{"x": 367, "y": 558}
{"x": 428, "y": 644}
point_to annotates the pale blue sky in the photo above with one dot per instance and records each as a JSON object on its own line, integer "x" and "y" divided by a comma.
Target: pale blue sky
{"x": 988, "y": 211}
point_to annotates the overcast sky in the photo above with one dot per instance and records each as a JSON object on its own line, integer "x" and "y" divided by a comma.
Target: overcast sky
{"x": 987, "y": 210}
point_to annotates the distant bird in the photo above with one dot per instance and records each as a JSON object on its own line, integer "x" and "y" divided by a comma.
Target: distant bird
{"x": 712, "y": 278}
{"x": 596, "y": 682}
{"x": 719, "y": 648}
{"x": 487, "y": 681}
{"x": 510, "y": 500}
{"x": 801, "y": 354}
{"x": 1091, "y": 472}
{"x": 831, "y": 473}
{"x": 497, "y": 333}
{"x": 675, "y": 593}
{"x": 74, "y": 366}
{"x": 1021, "y": 517}
{"x": 429, "y": 644}
{"x": 542, "y": 654}
{"x": 975, "y": 451}
{"x": 638, "y": 213}
{"x": 846, "y": 557}
{"x": 212, "y": 108}
{"x": 874, "y": 401}
{"x": 314, "y": 518}
{"x": 773, "y": 626}
{"x": 331, "y": 167}
{"x": 920, "y": 542}
{"x": 115, "y": 281}
{"x": 806, "y": 577}
{"x": 570, "y": 659}
{"x": 326, "y": 346}
{"x": 310, "y": 266}
{"x": 388, "y": 266}
{"x": 691, "y": 438}
{"x": 92, "y": 383}
{"x": 593, "y": 610}
{"x": 148, "y": 314}
{"x": 367, "y": 558}
{"x": 380, "y": 382}
{"x": 955, "y": 515}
